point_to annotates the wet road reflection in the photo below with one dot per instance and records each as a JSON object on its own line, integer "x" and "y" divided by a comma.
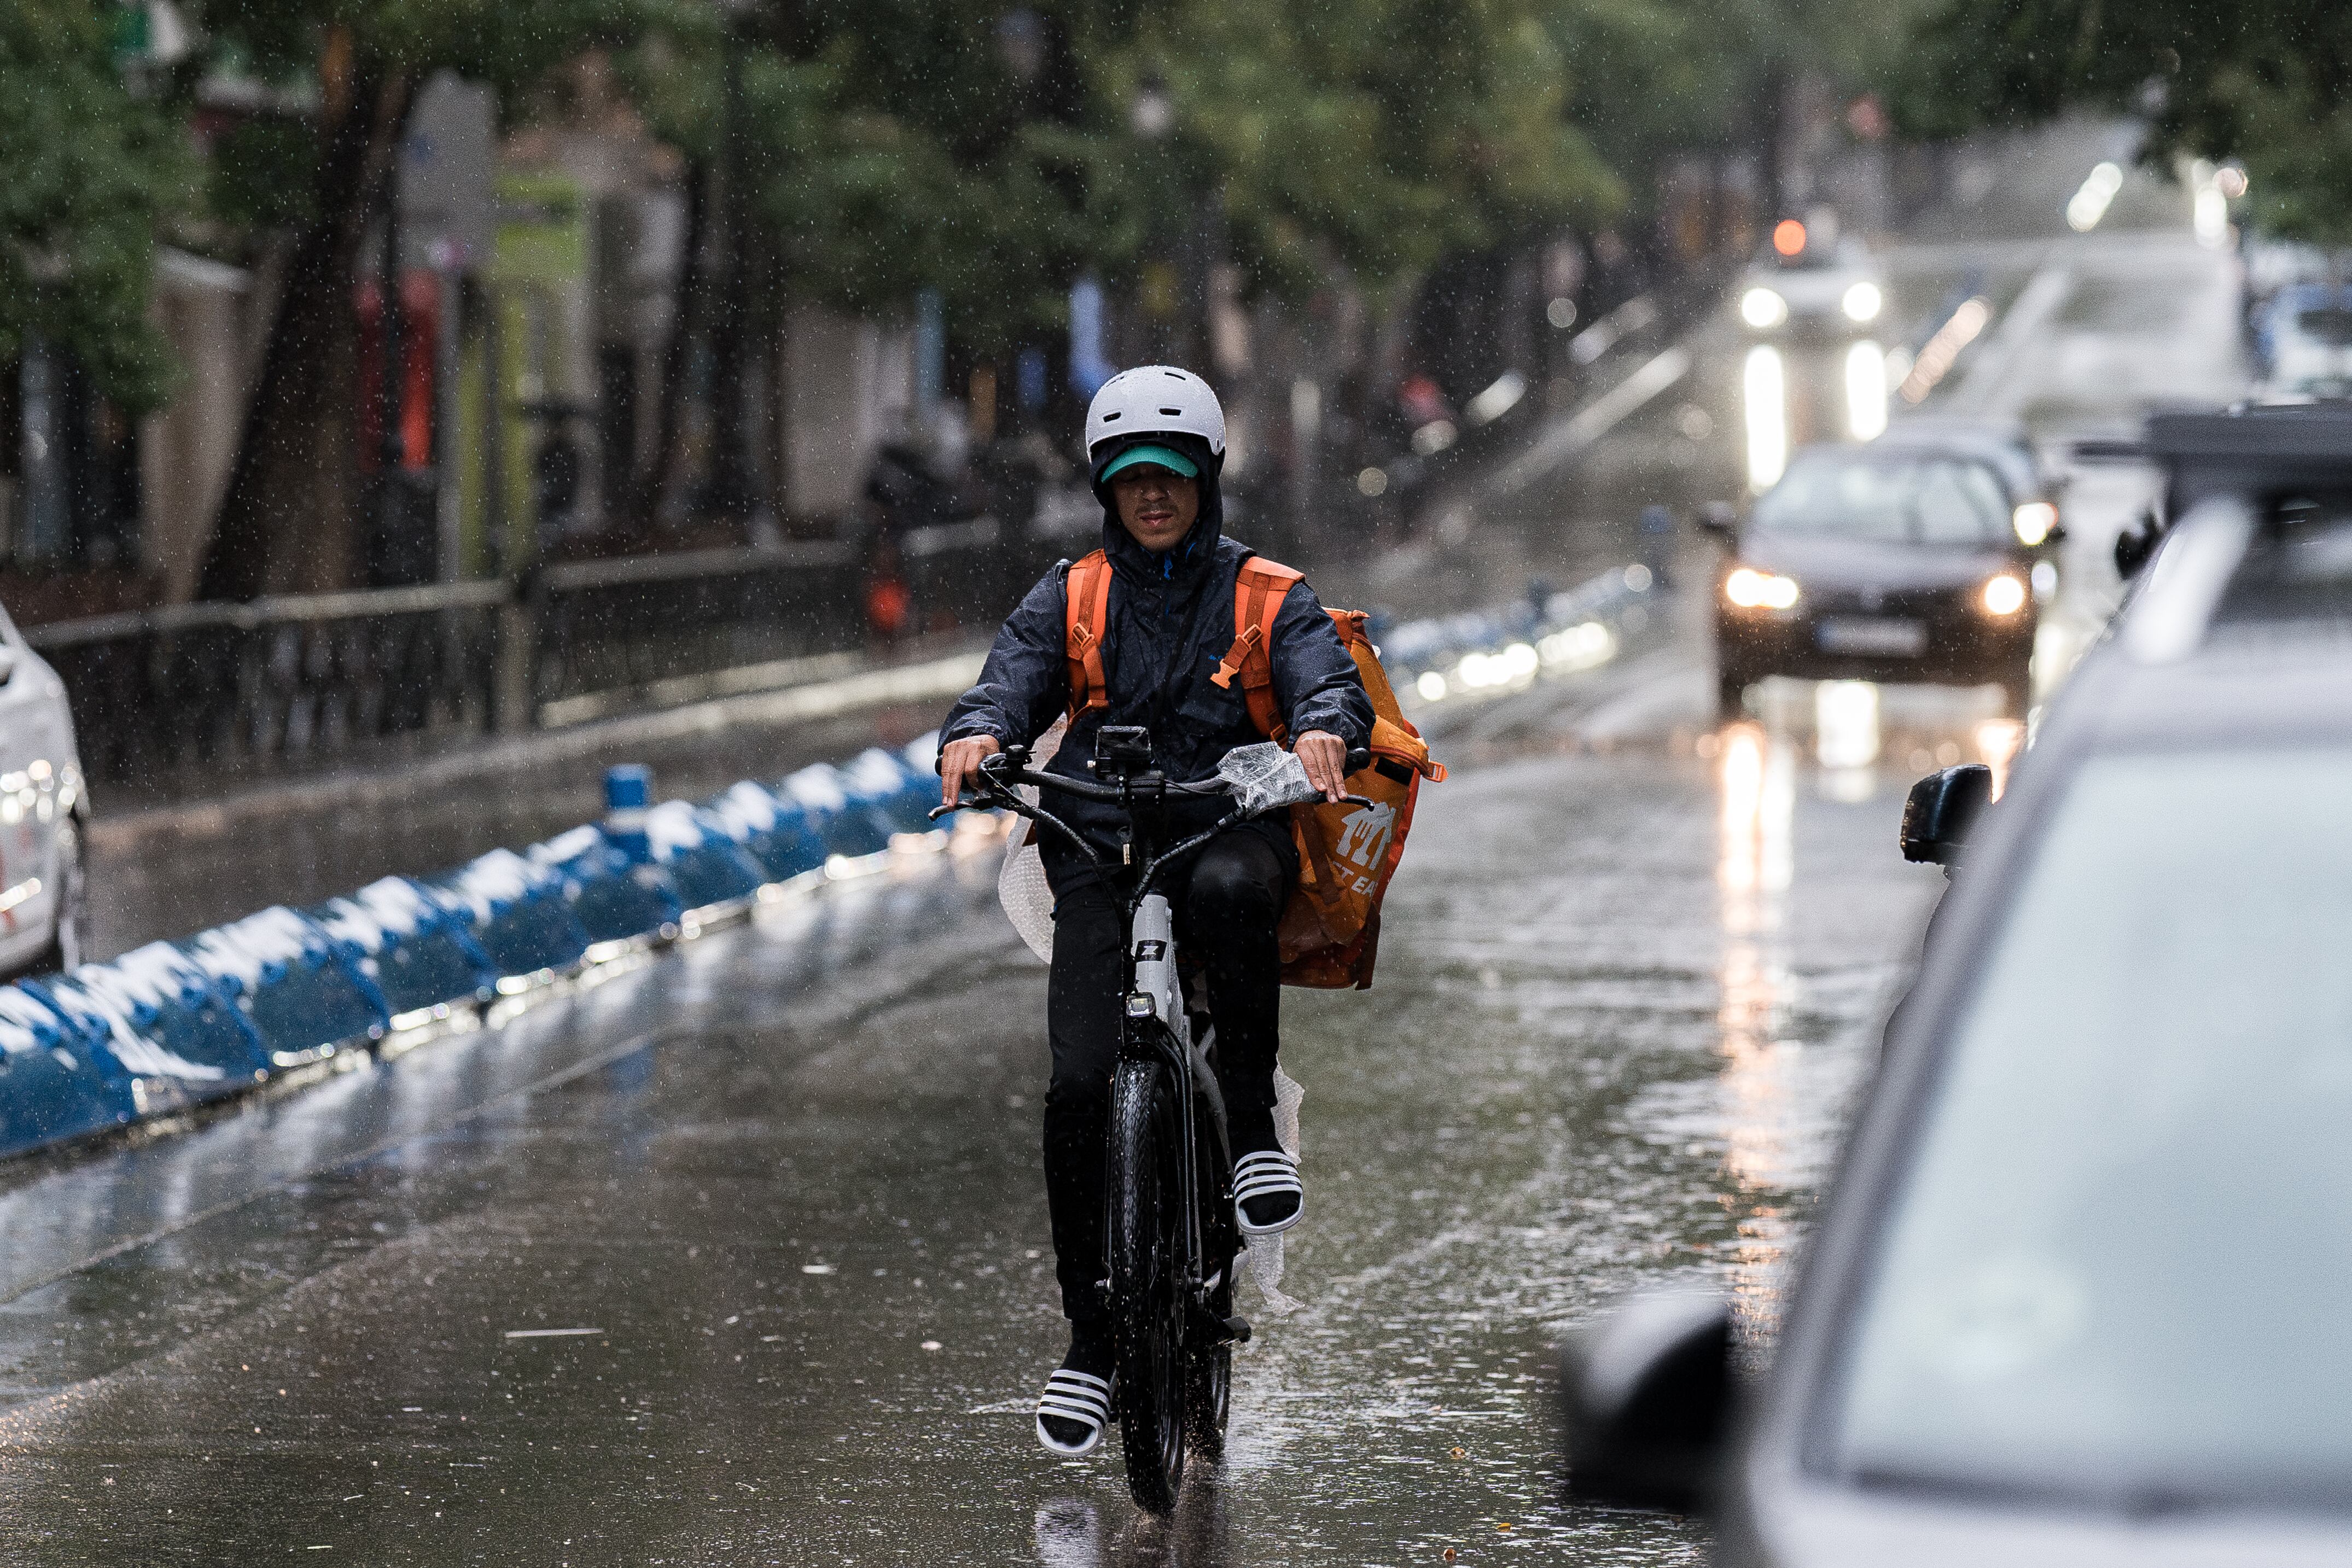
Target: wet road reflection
{"x": 809, "y": 1144}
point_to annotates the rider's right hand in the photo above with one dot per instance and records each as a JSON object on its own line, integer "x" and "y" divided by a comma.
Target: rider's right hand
{"x": 959, "y": 760}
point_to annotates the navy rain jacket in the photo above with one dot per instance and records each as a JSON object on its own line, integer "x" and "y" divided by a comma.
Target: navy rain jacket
{"x": 1170, "y": 623}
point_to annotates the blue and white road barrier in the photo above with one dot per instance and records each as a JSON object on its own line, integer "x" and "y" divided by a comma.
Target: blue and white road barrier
{"x": 173, "y": 1025}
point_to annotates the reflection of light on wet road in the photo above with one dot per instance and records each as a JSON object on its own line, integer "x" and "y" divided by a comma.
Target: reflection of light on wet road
{"x": 1766, "y": 398}
{"x": 1937, "y": 358}
{"x": 1846, "y": 723}
{"x": 1865, "y": 390}
{"x": 1759, "y": 789}
{"x": 2089, "y": 203}
{"x": 1758, "y": 780}
{"x": 1998, "y": 742}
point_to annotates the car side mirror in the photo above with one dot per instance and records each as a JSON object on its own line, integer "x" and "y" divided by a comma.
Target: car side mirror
{"x": 1717, "y": 517}
{"x": 1647, "y": 1393}
{"x": 7, "y": 663}
{"x": 2133, "y": 546}
{"x": 1941, "y": 809}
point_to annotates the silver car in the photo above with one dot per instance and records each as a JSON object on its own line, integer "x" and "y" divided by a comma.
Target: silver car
{"x": 2076, "y": 1294}
{"x": 43, "y": 812}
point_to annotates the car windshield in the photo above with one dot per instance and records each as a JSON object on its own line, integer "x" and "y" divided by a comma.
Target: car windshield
{"x": 2116, "y": 1269}
{"x": 1888, "y": 498}
{"x": 2330, "y": 324}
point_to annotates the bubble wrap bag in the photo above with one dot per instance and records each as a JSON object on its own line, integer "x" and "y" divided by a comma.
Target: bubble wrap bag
{"x": 1021, "y": 882}
{"x": 1264, "y": 1259}
{"x": 1264, "y": 777}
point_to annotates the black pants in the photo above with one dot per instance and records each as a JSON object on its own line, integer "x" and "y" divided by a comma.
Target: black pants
{"x": 1225, "y": 907}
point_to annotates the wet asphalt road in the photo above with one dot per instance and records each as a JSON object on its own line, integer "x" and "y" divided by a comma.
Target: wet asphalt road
{"x": 774, "y": 1167}
{"x": 1631, "y": 978}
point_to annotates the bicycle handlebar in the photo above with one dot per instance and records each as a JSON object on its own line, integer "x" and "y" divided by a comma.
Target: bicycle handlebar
{"x": 994, "y": 790}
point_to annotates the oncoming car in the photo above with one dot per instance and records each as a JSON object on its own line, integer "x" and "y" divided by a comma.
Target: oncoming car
{"x": 1903, "y": 561}
{"x": 1808, "y": 282}
{"x": 2076, "y": 1295}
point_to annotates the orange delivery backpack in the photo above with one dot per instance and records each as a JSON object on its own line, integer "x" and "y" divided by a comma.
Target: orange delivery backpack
{"x": 1330, "y": 928}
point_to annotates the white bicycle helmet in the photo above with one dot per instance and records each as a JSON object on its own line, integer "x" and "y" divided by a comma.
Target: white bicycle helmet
{"x": 1156, "y": 400}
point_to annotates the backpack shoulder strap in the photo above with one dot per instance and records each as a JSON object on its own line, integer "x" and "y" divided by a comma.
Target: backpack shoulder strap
{"x": 1259, "y": 588}
{"x": 1086, "y": 599}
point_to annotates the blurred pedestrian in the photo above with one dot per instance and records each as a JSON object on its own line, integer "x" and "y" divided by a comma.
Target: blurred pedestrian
{"x": 1657, "y": 531}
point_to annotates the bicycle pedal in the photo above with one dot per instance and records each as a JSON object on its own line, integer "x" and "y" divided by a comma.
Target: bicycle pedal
{"x": 1239, "y": 1329}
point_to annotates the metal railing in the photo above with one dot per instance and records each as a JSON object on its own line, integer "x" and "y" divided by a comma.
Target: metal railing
{"x": 177, "y": 694}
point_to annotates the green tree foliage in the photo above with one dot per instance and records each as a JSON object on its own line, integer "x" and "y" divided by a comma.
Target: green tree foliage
{"x": 2268, "y": 81}
{"x": 871, "y": 186}
{"x": 1377, "y": 134}
{"x": 891, "y": 145}
{"x": 89, "y": 171}
{"x": 1653, "y": 77}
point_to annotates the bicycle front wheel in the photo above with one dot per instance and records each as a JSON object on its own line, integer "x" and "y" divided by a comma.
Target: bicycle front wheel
{"x": 1209, "y": 1368}
{"x": 1147, "y": 1279}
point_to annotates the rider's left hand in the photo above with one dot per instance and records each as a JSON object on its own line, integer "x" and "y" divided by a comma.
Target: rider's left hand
{"x": 1325, "y": 757}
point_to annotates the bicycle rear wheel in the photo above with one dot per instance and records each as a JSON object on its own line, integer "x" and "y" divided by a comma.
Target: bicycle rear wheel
{"x": 1147, "y": 1279}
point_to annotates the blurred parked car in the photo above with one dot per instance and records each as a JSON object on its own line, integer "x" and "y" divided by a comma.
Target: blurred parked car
{"x": 43, "y": 811}
{"x": 2302, "y": 340}
{"x": 1907, "y": 559}
{"x": 1809, "y": 282}
{"x": 2075, "y": 1296}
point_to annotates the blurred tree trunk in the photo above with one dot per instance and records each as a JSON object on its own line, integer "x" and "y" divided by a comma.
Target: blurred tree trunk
{"x": 1772, "y": 139}
{"x": 770, "y": 308}
{"x": 289, "y": 519}
{"x": 652, "y": 482}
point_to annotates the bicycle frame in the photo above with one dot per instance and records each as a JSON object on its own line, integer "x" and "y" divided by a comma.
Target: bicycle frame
{"x": 1154, "y": 1026}
{"x": 1153, "y": 1023}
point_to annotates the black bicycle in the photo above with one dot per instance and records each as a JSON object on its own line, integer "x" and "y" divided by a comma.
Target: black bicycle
{"x": 1171, "y": 1233}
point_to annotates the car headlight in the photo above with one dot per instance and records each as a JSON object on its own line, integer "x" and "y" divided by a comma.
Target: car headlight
{"x": 1761, "y": 307}
{"x": 2002, "y": 595}
{"x": 1752, "y": 590}
{"x": 2034, "y": 522}
{"x": 1863, "y": 302}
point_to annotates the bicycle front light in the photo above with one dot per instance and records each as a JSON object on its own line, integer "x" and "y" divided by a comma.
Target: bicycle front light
{"x": 1139, "y": 1004}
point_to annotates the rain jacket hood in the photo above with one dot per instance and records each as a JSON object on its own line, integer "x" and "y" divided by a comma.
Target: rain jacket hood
{"x": 1193, "y": 563}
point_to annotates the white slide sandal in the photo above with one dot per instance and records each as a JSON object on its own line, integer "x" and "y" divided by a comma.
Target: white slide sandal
{"x": 1270, "y": 1174}
{"x": 1080, "y": 1398}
